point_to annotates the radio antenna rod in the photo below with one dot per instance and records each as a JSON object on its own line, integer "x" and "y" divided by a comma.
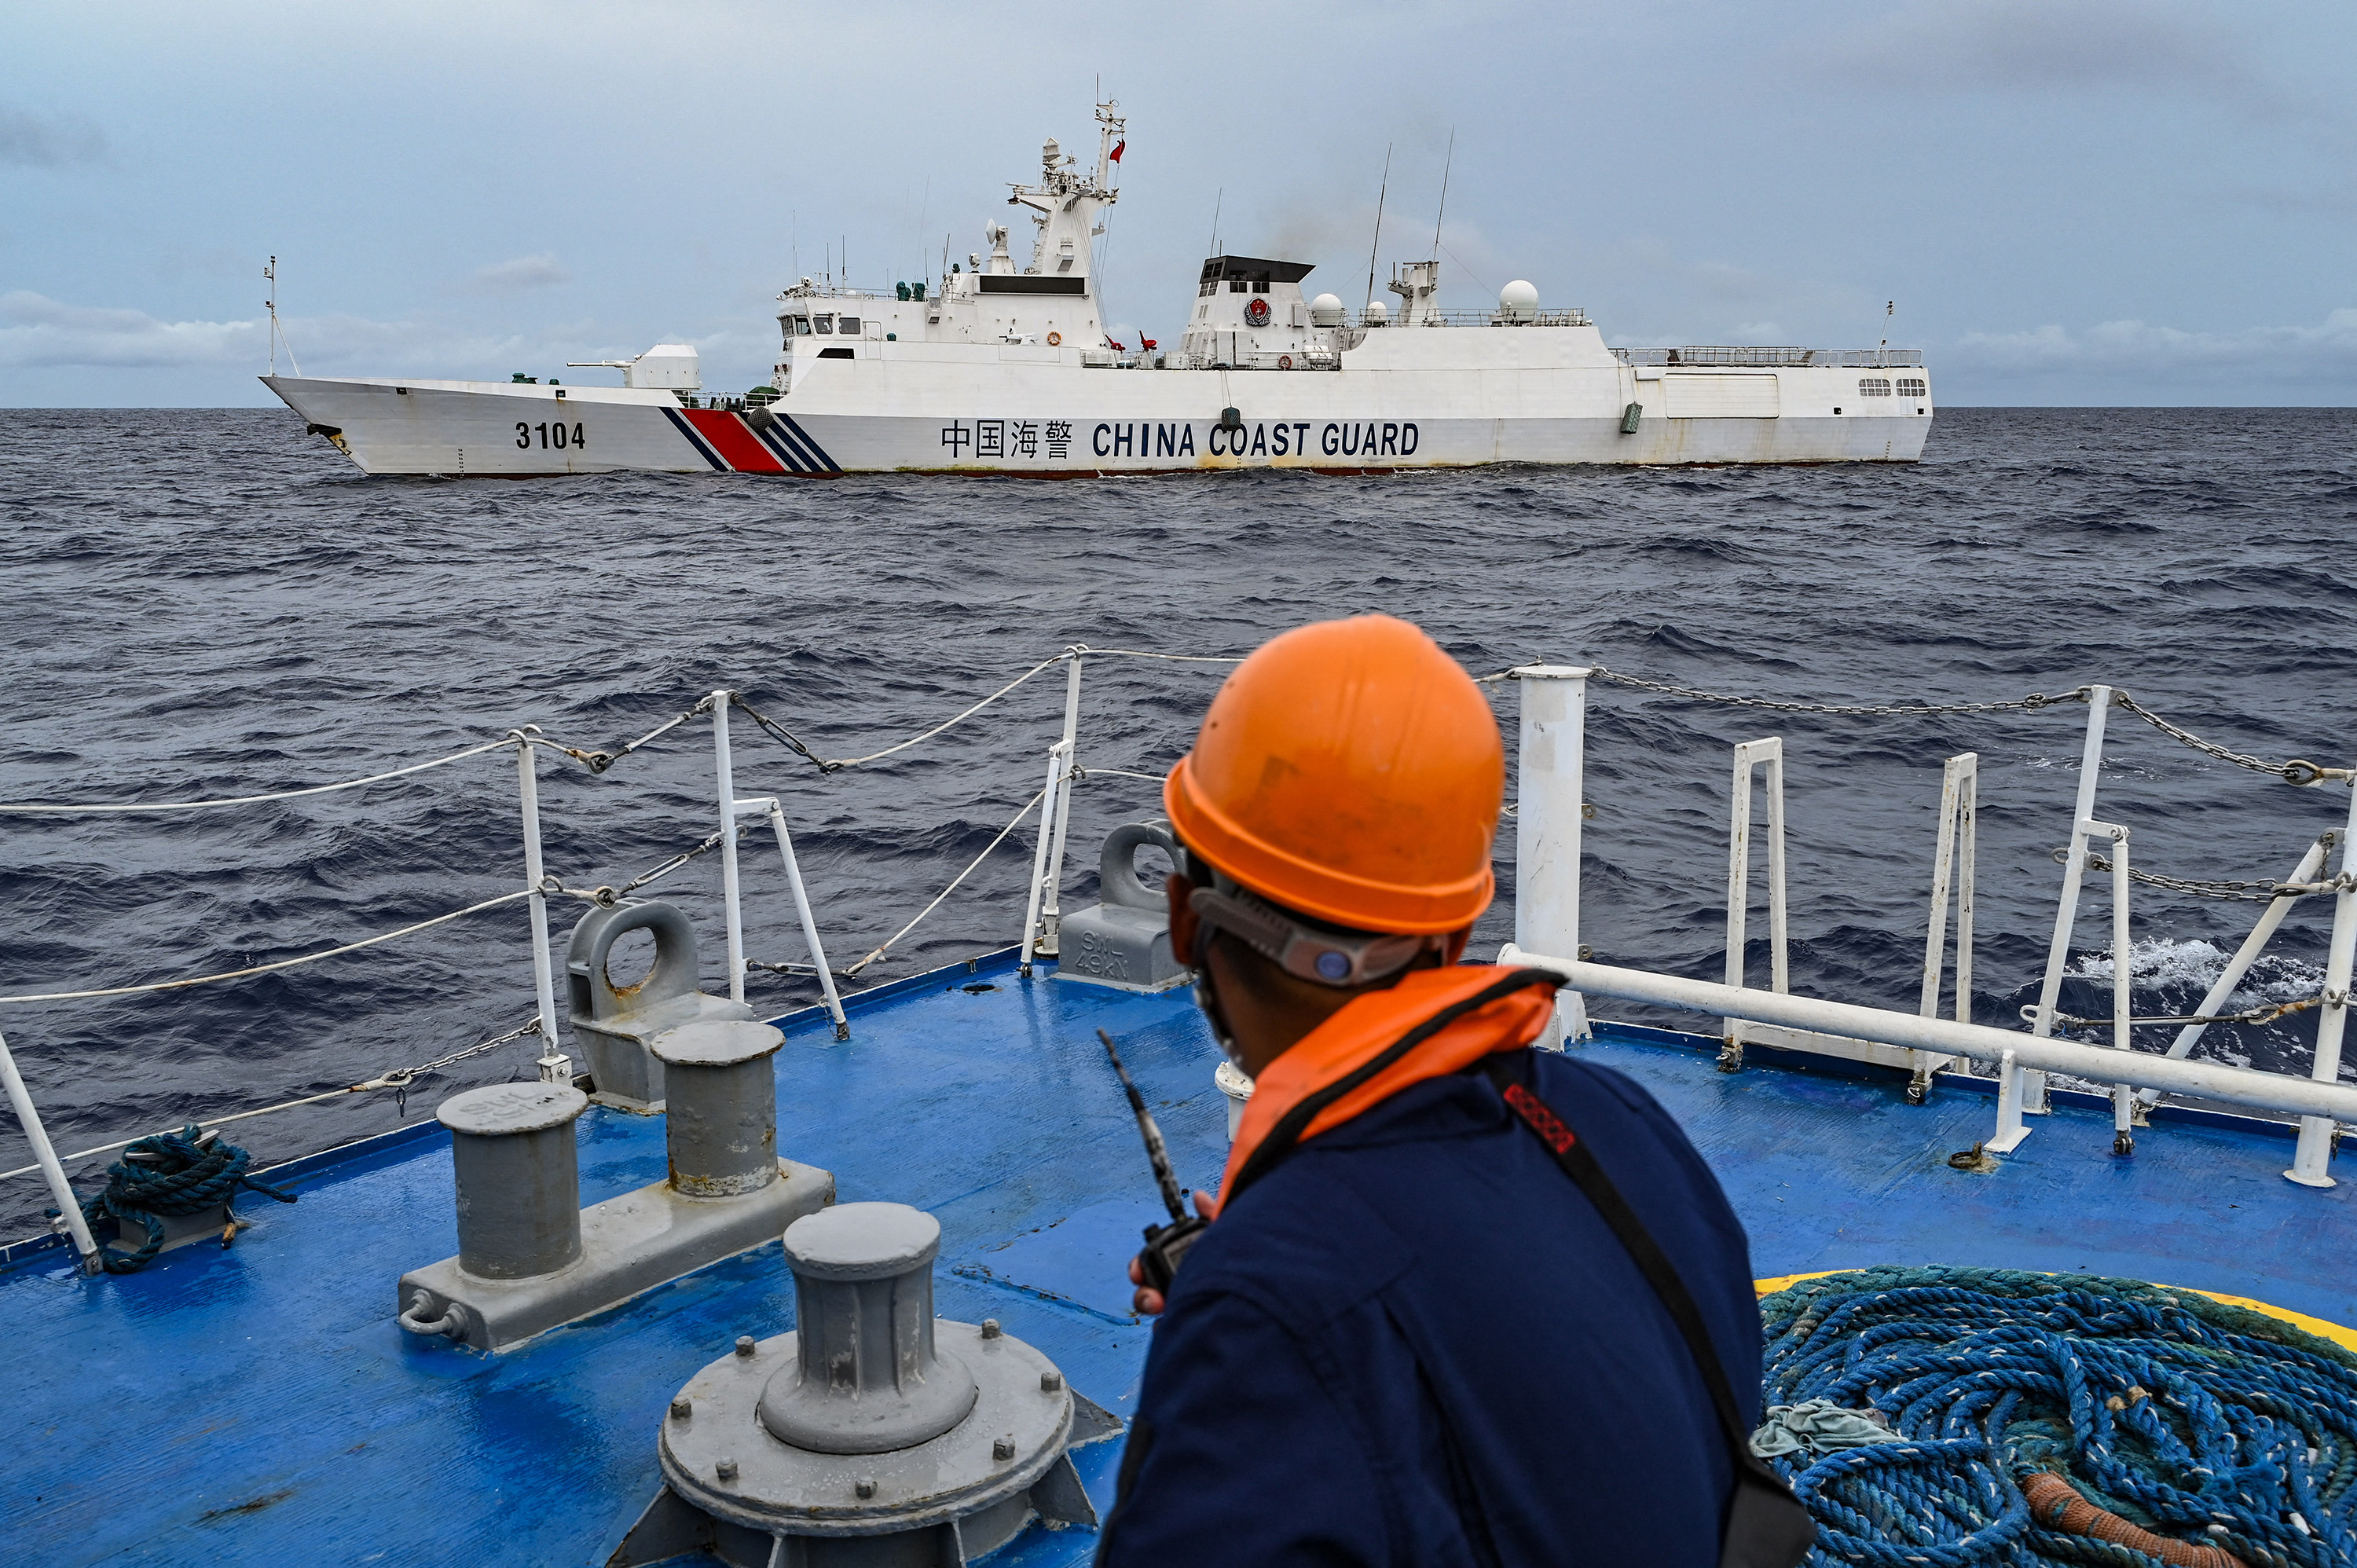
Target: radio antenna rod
{"x": 1216, "y": 205}
{"x": 1155, "y": 1150}
{"x": 1383, "y": 192}
{"x": 1443, "y": 193}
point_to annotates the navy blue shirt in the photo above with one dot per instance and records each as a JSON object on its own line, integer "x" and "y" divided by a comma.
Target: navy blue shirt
{"x": 1414, "y": 1342}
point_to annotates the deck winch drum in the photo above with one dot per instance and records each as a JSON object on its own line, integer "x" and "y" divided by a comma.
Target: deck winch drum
{"x": 874, "y": 1435}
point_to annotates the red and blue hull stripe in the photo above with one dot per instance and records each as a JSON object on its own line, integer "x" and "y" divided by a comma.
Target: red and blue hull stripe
{"x": 733, "y": 444}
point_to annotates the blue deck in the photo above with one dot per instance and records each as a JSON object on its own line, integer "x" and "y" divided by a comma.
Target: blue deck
{"x": 260, "y": 1405}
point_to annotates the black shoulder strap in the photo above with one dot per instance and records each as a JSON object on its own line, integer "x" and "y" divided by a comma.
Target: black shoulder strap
{"x": 1766, "y": 1523}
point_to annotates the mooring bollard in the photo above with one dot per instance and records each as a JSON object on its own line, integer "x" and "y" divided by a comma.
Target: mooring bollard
{"x": 722, "y": 1111}
{"x": 519, "y": 1178}
{"x": 530, "y": 1257}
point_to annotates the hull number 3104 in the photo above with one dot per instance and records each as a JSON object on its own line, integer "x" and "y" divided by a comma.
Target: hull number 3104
{"x": 551, "y": 436}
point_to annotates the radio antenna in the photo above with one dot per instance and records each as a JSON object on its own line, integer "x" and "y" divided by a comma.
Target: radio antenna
{"x": 277, "y": 333}
{"x": 1382, "y": 192}
{"x": 1155, "y": 1150}
{"x": 1443, "y": 193}
{"x": 1216, "y": 205}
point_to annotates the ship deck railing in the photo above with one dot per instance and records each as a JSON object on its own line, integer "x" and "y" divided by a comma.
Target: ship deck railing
{"x": 1568, "y": 317}
{"x": 1720, "y": 354}
{"x": 1548, "y": 816}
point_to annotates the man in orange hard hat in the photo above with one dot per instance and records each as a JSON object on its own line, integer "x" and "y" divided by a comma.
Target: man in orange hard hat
{"x": 1407, "y": 1338}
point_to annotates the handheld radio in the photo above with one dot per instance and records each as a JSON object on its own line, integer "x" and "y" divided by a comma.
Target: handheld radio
{"x": 1165, "y": 1245}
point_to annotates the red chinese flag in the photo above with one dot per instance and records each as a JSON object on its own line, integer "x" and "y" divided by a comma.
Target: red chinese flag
{"x": 1117, "y": 148}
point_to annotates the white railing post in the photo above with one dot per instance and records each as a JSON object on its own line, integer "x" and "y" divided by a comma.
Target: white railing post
{"x": 1057, "y": 755}
{"x": 68, "y": 1206}
{"x": 2312, "y": 1162}
{"x": 1952, "y": 864}
{"x": 1749, "y": 755}
{"x": 2074, "y": 868}
{"x": 2123, "y": 1097}
{"x": 726, "y": 778}
{"x": 1051, "y": 911}
{"x": 1549, "y": 781}
{"x": 2009, "y": 1130}
{"x": 2222, "y": 990}
{"x": 776, "y": 813}
{"x": 555, "y": 1066}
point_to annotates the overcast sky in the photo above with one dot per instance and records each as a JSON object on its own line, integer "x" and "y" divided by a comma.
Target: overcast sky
{"x": 2070, "y": 201}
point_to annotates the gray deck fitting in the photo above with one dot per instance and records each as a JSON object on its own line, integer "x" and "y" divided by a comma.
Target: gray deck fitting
{"x": 628, "y": 1244}
{"x": 875, "y": 1435}
{"x": 614, "y": 1027}
{"x": 181, "y": 1230}
{"x": 1124, "y": 942}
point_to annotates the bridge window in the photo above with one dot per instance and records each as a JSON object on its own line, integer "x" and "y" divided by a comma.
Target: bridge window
{"x": 851, "y": 326}
{"x": 825, "y": 323}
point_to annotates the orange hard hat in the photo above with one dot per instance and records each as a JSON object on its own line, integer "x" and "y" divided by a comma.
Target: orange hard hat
{"x": 1349, "y": 770}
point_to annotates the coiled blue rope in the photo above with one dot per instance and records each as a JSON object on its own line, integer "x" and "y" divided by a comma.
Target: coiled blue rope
{"x": 182, "y": 1176}
{"x": 2207, "y": 1424}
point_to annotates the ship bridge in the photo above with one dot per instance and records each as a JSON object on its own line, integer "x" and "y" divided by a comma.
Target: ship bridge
{"x": 1250, "y": 314}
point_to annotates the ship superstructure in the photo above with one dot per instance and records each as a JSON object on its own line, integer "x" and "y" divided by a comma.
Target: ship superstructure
{"x": 1003, "y": 365}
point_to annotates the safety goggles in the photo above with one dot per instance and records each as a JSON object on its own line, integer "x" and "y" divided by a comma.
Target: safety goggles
{"x": 1320, "y": 954}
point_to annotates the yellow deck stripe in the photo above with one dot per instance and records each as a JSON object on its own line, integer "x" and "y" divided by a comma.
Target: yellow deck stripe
{"x": 2344, "y": 1337}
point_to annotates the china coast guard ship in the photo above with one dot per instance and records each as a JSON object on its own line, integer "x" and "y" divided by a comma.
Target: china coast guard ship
{"x": 1000, "y": 368}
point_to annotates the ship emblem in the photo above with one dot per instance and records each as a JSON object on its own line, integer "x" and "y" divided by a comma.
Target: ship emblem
{"x": 1256, "y": 313}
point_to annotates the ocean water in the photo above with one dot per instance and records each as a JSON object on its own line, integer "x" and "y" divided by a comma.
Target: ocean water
{"x": 211, "y": 604}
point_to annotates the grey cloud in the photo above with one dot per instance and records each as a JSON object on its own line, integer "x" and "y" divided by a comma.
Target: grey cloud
{"x": 1978, "y": 44}
{"x": 2326, "y": 351}
{"x": 38, "y": 331}
{"x": 65, "y": 141}
{"x": 543, "y": 271}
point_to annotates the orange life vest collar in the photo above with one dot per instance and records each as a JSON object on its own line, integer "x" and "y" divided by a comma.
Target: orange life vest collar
{"x": 1435, "y": 1021}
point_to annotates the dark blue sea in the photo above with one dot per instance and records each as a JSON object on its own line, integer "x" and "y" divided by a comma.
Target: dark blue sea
{"x": 205, "y": 604}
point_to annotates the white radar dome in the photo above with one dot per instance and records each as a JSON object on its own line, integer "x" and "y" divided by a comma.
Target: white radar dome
{"x": 1325, "y": 311}
{"x": 1378, "y": 313}
{"x": 1519, "y": 300}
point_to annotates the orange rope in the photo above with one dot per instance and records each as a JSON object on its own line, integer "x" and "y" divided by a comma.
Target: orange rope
{"x": 2056, "y": 1503}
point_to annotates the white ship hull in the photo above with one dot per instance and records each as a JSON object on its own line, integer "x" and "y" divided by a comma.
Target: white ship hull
{"x": 890, "y": 415}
